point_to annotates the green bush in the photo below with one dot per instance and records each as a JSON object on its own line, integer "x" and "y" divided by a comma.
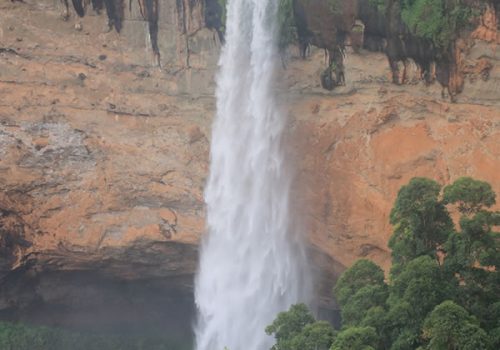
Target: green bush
{"x": 439, "y": 21}
{"x": 450, "y": 326}
{"x": 470, "y": 195}
{"x": 296, "y": 329}
{"x": 356, "y": 338}
{"x": 18, "y": 336}
{"x": 444, "y": 292}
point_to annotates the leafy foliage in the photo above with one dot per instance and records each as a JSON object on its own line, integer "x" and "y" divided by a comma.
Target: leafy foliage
{"x": 421, "y": 222}
{"x": 314, "y": 336}
{"x": 470, "y": 195}
{"x": 363, "y": 273}
{"x": 289, "y": 323}
{"x": 364, "y": 299}
{"x": 420, "y": 286}
{"x": 474, "y": 257}
{"x": 444, "y": 287}
{"x": 450, "y": 326}
{"x": 296, "y": 329}
{"x": 436, "y": 20}
{"x": 16, "y": 336}
{"x": 356, "y": 338}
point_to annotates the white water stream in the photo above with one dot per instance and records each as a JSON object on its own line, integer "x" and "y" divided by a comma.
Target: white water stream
{"x": 251, "y": 262}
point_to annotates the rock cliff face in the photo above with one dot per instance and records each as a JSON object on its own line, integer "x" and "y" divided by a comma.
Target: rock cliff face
{"x": 102, "y": 165}
{"x": 103, "y": 157}
{"x": 437, "y": 41}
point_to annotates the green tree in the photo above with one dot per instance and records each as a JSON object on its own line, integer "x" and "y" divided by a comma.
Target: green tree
{"x": 473, "y": 256}
{"x": 443, "y": 293}
{"x": 356, "y": 338}
{"x": 414, "y": 292}
{"x": 354, "y": 311}
{"x": 422, "y": 284}
{"x": 361, "y": 292}
{"x": 377, "y": 317}
{"x": 421, "y": 222}
{"x": 450, "y": 327}
{"x": 402, "y": 327}
{"x": 289, "y": 324}
{"x": 362, "y": 274}
{"x": 296, "y": 329}
{"x": 469, "y": 194}
{"x": 475, "y": 246}
{"x": 314, "y": 336}
{"x": 439, "y": 21}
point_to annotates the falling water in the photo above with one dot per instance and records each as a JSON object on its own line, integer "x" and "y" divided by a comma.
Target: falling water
{"x": 251, "y": 262}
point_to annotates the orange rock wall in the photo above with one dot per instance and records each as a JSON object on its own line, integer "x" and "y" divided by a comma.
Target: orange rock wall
{"x": 358, "y": 145}
{"x": 101, "y": 152}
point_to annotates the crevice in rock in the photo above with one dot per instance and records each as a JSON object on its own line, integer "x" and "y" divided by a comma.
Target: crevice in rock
{"x": 214, "y": 17}
{"x": 149, "y": 11}
{"x": 183, "y": 11}
{"x": 115, "y": 11}
{"x": 97, "y": 5}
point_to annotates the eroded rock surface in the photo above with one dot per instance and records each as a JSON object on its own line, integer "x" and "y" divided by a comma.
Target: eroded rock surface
{"x": 102, "y": 164}
{"x": 103, "y": 157}
{"x": 357, "y": 148}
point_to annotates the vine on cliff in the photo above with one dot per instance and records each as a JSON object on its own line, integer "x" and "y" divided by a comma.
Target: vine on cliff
{"x": 439, "y": 21}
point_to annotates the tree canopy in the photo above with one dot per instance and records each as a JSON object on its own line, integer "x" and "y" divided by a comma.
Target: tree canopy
{"x": 450, "y": 326}
{"x": 296, "y": 329}
{"x": 362, "y": 274}
{"x": 421, "y": 222}
{"x": 469, "y": 194}
{"x": 356, "y": 338}
{"x": 443, "y": 292}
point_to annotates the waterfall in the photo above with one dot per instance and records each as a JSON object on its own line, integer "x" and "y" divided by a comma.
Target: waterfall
{"x": 251, "y": 262}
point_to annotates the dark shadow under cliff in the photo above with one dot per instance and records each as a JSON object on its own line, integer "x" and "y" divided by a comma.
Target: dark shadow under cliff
{"x": 90, "y": 302}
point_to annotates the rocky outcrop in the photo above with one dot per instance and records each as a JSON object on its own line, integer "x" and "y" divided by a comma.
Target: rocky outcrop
{"x": 358, "y": 147}
{"x": 103, "y": 157}
{"x": 102, "y": 165}
{"x": 380, "y": 26}
{"x": 487, "y": 29}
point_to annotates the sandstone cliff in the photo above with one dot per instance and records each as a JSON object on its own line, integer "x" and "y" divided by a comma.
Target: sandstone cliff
{"x": 103, "y": 156}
